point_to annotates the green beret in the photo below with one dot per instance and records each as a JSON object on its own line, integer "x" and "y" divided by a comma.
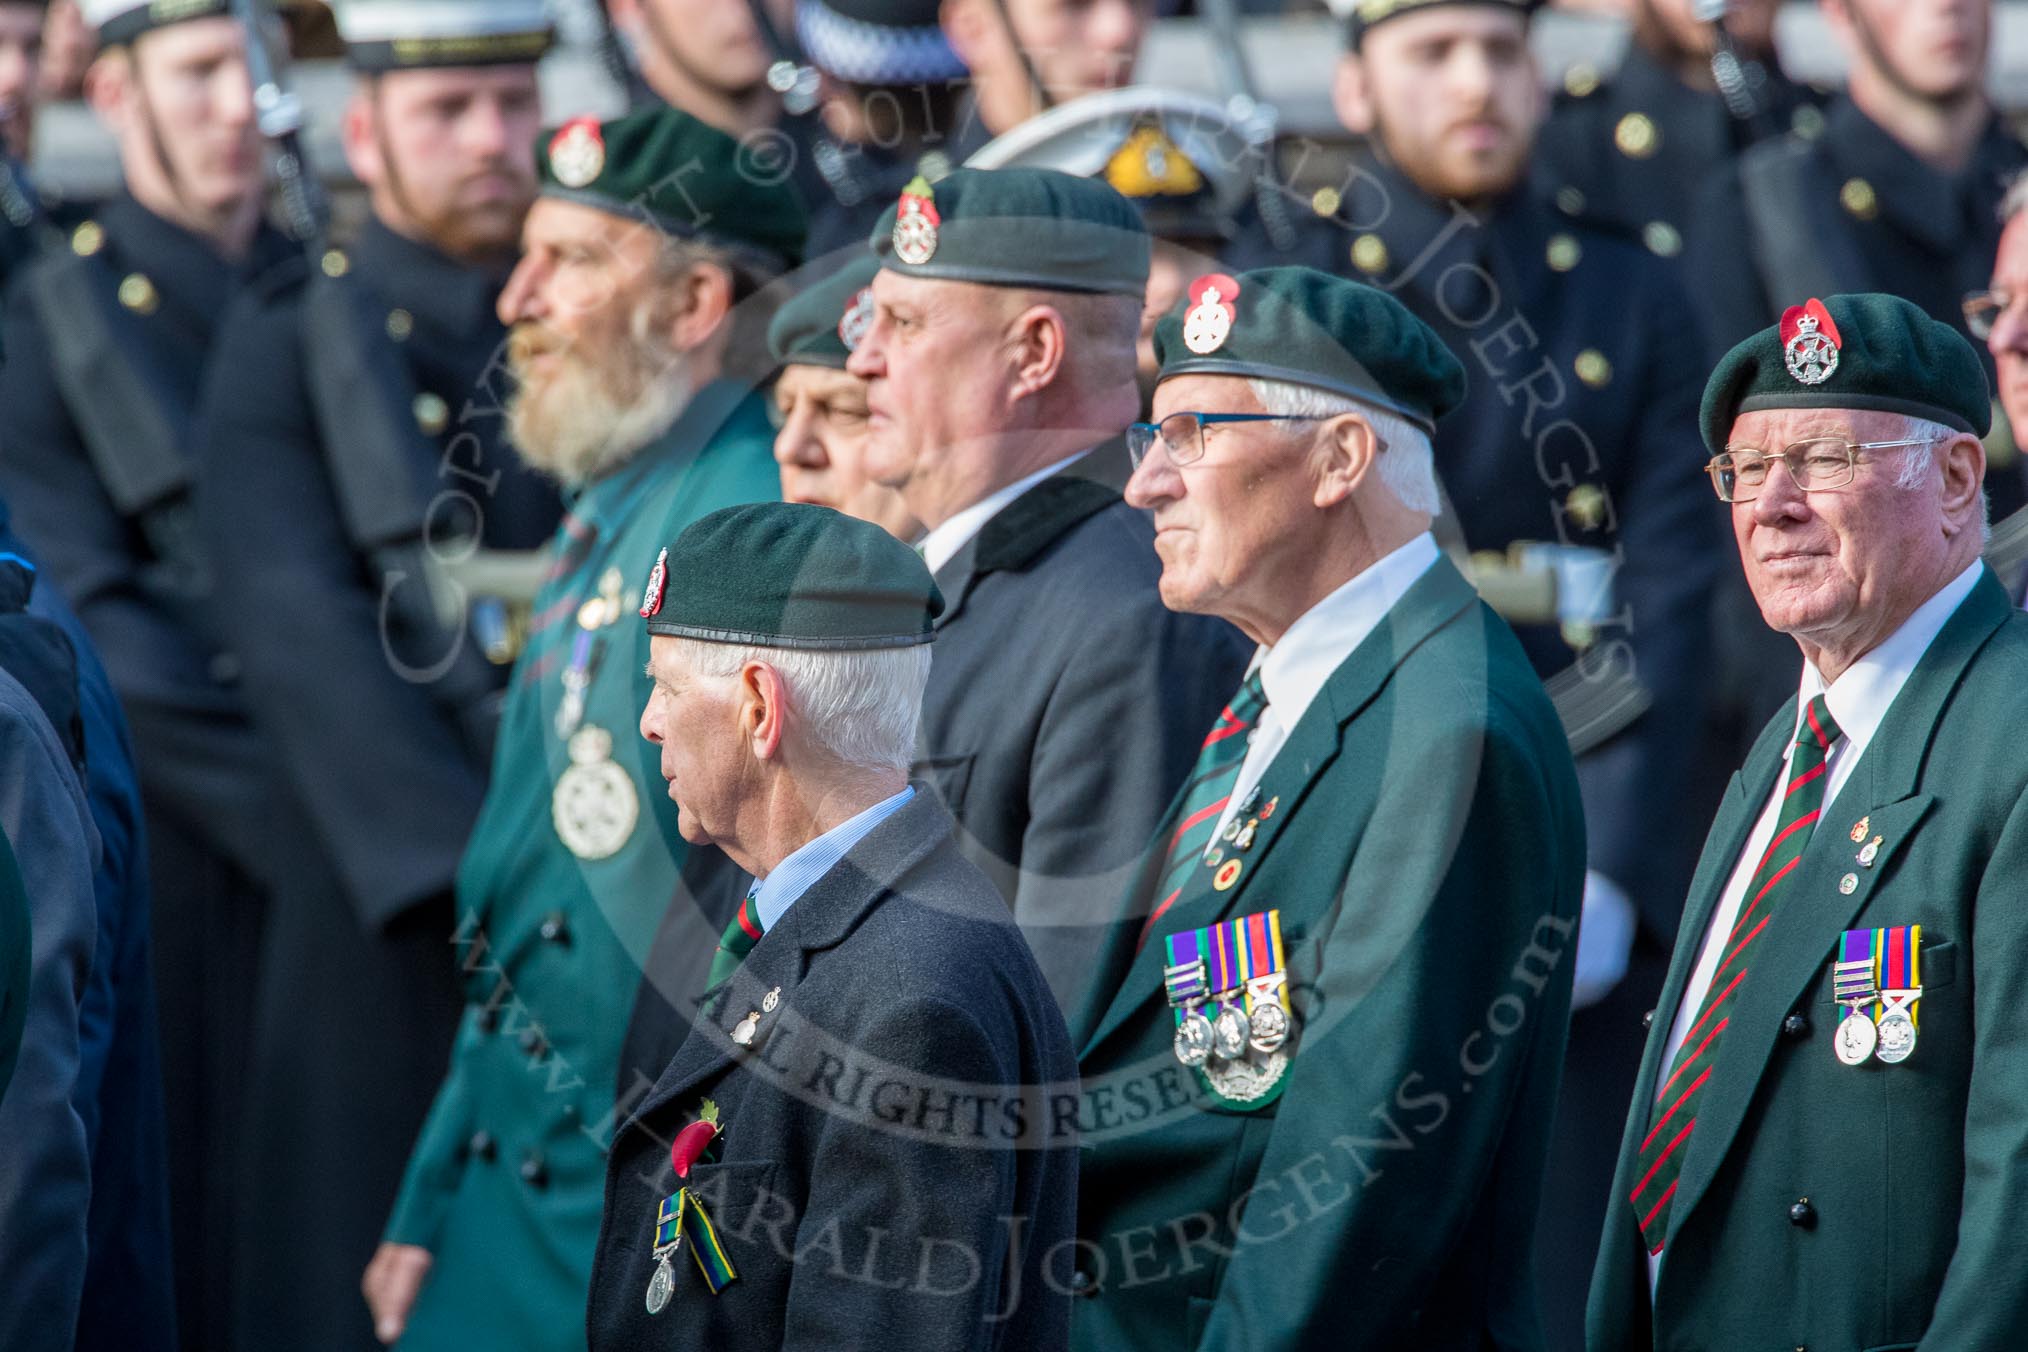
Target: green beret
{"x": 1310, "y": 328}
{"x": 666, "y": 168}
{"x": 1367, "y": 14}
{"x": 1871, "y": 352}
{"x": 1016, "y": 227}
{"x": 791, "y": 575}
{"x": 824, "y": 321}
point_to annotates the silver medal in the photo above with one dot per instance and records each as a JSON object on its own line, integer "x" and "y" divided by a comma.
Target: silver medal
{"x": 1897, "y": 1036}
{"x": 661, "y": 1286}
{"x": 1270, "y": 1027}
{"x": 1856, "y": 1037}
{"x": 1193, "y": 1039}
{"x": 1229, "y": 1032}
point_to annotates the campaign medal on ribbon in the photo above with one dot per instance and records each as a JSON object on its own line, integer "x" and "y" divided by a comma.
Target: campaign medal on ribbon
{"x": 680, "y": 1214}
{"x": 1878, "y": 978}
{"x": 1854, "y": 987}
{"x": 1228, "y": 990}
{"x": 1209, "y": 321}
{"x": 1810, "y": 343}
{"x": 916, "y": 222}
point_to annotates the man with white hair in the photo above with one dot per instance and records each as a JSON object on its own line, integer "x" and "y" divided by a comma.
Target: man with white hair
{"x": 1828, "y": 1133}
{"x": 624, "y": 325}
{"x": 1356, "y": 930}
{"x": 1000, "y": 377}
{"x": 852, "y": 1141}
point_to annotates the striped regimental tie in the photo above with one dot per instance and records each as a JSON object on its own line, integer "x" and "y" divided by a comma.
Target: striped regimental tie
{"x": 1207, "y": 792}
{"x": 742, "y": 932}
{"x": 1675, "y": 1111}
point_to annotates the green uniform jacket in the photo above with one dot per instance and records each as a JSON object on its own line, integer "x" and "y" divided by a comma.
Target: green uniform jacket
{"x": 1426, "y": 853}
{"x": 1872, "y": 1207}
{"x": 505, "y": 1184}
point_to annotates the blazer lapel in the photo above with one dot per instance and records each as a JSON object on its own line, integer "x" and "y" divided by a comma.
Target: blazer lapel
{"x": 1883, "y": 790}
{"x": 1437, "y": 598}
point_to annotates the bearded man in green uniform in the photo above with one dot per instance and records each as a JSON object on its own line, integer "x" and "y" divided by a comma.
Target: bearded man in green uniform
{"x": 627, "y": 326}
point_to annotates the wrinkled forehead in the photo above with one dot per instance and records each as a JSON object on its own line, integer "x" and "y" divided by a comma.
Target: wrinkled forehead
{"x": 1770, "y": 429}
{"x": 1201, "y": 393}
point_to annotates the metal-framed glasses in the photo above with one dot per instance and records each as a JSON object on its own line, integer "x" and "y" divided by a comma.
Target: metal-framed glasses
{"x": 1739, "y": 472}
{"x": 1984, "y": 308}
{"x": 1182, "y": 434}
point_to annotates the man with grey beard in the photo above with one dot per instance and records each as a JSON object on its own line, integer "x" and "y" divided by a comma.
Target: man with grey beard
{"x": 629, "y": 311}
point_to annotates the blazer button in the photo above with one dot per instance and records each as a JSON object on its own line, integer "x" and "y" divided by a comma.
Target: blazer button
{"x": 1802, "y": 1213}
{"x": 533, "y": 1042}
{"x": 555, "y": 928}
{"x": 1647, "y": 1020}
{"x": 1797, "y": 1024}
{"x": 488, "y": 1018}
{"x": 482, "y": 1146}
{"x": 1083, "y": 1285}
{"x": 533, "y": 1171}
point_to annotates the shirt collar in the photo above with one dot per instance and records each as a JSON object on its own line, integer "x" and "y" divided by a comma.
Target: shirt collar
{"x": 1317, "y": 644}
{"x": 795, "y": 875}
{"x": 1860, "y": 698}
{"x": 942, "y": 544}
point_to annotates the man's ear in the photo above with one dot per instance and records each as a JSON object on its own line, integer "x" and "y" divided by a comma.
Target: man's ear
{"x": 109, "y": 87}
{"x": 703, "y": 301}
{"x": 1963, "y": 462}
{"x": 1351, "y": 97}
{"x": 1040, "y": 338}
{"x": 969, "y": 29}
{"x": 358, "y": 134}
{"x": 763, "y": 710}
{"x": 1345, "y": 457}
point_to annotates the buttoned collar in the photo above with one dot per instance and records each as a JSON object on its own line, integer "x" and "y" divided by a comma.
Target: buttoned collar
{"x": 795, "y": 875}
{"x": 434, "y": 287}
{"x": 1941, "y": 210}
{"x": 942, "y": 544}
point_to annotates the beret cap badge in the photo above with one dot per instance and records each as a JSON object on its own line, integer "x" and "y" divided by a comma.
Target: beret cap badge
{"x": 1210, "y": 320}
{"x": 857, "y": 319}
{"x": 1810, "y": 343}
{"x": 658, "y": 583}
{"x": 577, "y": 153}
{"x": 916, "y": 222}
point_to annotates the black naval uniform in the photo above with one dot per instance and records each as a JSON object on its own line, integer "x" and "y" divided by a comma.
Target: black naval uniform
{"x": 355, "y": 1029}
{"x": 109, "y": 522}
{"x": 1578, "y": 426}
{"x": 1635, "y": 150}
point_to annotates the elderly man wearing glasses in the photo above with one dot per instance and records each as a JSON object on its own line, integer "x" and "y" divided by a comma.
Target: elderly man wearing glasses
{"x": 1321, "y": 1057}
{"x": 1827, "y": 1140}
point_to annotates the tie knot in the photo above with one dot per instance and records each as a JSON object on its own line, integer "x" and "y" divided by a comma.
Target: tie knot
{"x": 1818, "y": 729}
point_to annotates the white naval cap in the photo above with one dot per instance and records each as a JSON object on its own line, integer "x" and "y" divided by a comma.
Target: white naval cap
{"x": 383, "y": 35}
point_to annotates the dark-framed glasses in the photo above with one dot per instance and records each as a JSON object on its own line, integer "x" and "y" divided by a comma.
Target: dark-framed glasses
{"x": 1739, "y": 472}
{"x": 1984, "y": 308}
{"x": 1182, "y": 433}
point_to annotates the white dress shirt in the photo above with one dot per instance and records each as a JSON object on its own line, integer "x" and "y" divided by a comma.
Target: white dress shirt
{"x": 1859, "y": 700}
{"x": 1316, "y": 645}
{"x": 942, "y": 544}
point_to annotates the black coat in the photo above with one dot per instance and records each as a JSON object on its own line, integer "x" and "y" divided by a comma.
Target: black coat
{"x": 889, "y": 1165}
{"x": 1065, "y": 705}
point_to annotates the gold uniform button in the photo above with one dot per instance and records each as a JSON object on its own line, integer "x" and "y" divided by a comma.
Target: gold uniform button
{"x": 432, "y": 414}
{"x": 1594, "y": 370}
{"x": 1663, "y": 239}
{"x": 400, "y": 324}
{"x": 1570, "y": 200}
{"x": 87, "y": 239}
{"x": 1637, "y": 136}
{"x": 335, "y": 263}
{"x": 1581, "y": 80}
{"x": 1858, "y": 197}
{"x": 1564, "y": 252}
{"x": 1586, "y": 505}
{"x": 1369, "y": 254}
{"x": 138, "y": 294}
{"x": 1325, "y": 201}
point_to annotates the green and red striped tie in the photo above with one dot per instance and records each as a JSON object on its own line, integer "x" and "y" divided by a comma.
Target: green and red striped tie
{"x": 742, "y": 932}
{"x": 1674, "y": 1115}
{"x": 1207, "y": 792}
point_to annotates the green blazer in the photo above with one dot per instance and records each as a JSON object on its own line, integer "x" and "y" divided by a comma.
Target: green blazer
{"x": 1877, "y": 1206}
{"x": 507, "y": 1177}
{"x": 1427, "y": 856}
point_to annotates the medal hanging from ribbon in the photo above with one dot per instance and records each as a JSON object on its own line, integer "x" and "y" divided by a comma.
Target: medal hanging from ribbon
{"x": 682, "y": 1216}
{"x": 1878, "y": 979}
{"x": 1229, "y": 995}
